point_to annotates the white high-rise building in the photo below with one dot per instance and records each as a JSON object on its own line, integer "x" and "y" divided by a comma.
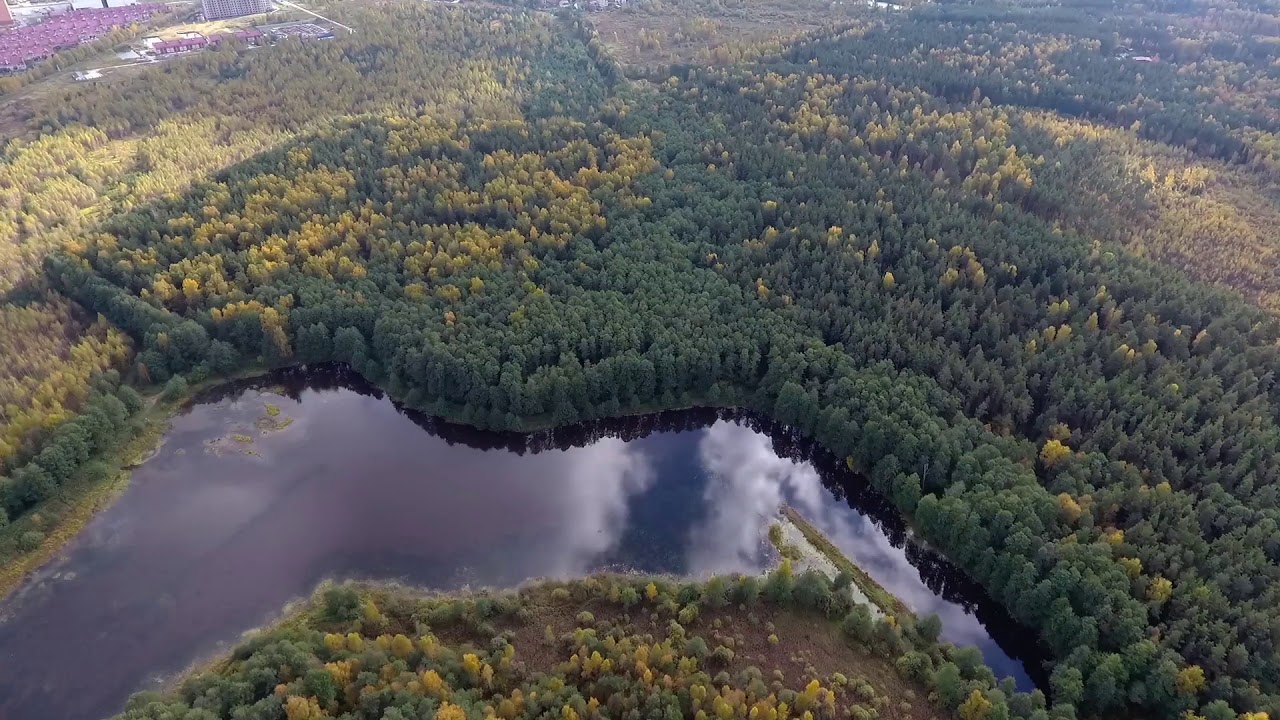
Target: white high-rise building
{"x": 217, "y": 9}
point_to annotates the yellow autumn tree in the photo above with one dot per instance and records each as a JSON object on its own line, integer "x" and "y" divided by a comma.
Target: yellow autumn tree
{"x": 401, "y": 646}
{"x": 975, "y": 707}
{"x": 434, "y": 685}
{"x": 342, "y": 672}
{"x": 1190, "y": 680}
{"x": 300, "y": 708}
{"x": 1071, "y": 509}
{"x": 471, "y": 664}
{"x": 449, "y": 711}
{"x": 1161, "y": 590}
{"x": 1053, "y": 451}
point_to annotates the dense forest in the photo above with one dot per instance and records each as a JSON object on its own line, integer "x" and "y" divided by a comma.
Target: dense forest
{"x": 965, "y": 247}
{"x": 97, "y": 150}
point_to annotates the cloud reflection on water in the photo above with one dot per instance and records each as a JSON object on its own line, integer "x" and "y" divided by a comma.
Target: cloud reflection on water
{"x": 597, "y": 484}
{"x": 744, "y": 489}
{"x": 748, "y": 482}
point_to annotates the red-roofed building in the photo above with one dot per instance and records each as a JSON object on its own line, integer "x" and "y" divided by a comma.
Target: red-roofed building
{"x": 183, "y": 45}
{"x": 248, "y": 37}
{"x": 6, "y": 17}
{"x": 66, "y": 30}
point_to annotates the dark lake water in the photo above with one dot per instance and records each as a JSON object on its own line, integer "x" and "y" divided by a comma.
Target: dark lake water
{"x": 235, "y": 516}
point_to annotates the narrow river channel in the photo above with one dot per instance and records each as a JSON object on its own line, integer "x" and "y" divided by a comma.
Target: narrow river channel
{"x": 265, "y": 488}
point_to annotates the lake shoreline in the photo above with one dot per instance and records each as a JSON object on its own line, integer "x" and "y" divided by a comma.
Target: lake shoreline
{"x": 657, "y": 493}
{"x": 137, "y": 442}
{"x": 875, "y": 593}
{"x": 537, "y": 625}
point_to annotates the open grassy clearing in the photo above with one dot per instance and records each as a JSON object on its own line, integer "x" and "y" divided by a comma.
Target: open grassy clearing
{"x": 706, "y": 33}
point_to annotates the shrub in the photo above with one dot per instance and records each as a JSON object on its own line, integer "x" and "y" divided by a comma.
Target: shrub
{"x": 812, "y": 591}
{"x": 30, "y": 540}
{"x": 696, "y": 647}
{"x": 777, "y": 589}
{"x": 842, "y": 580}
{"x": 887, "y": 640}
{"x": 715, "y": 593}
{"x": 486, "y": 608}
{"x": 341, "y": 604}
{"x": 722, "y": 656}
{"x": 928, "y": 629}
{"x": 858, "y": 625}
{"x": 688, "y": 614}
{"x": 747, "y": 591}
{"x": 689, "y": 593}
{"x": 320, "y": 684}
{"x": 586, "y": 619}
{"x": 175, "y": 388}
{"x": 445, "y": 613}
{"x": 915, "y": 666}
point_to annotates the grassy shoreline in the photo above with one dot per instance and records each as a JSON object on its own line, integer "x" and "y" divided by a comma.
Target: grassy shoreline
{"x": 887, "y": 601}
{"x": 96, "y": 485}
{"x": 61, "y": 518}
